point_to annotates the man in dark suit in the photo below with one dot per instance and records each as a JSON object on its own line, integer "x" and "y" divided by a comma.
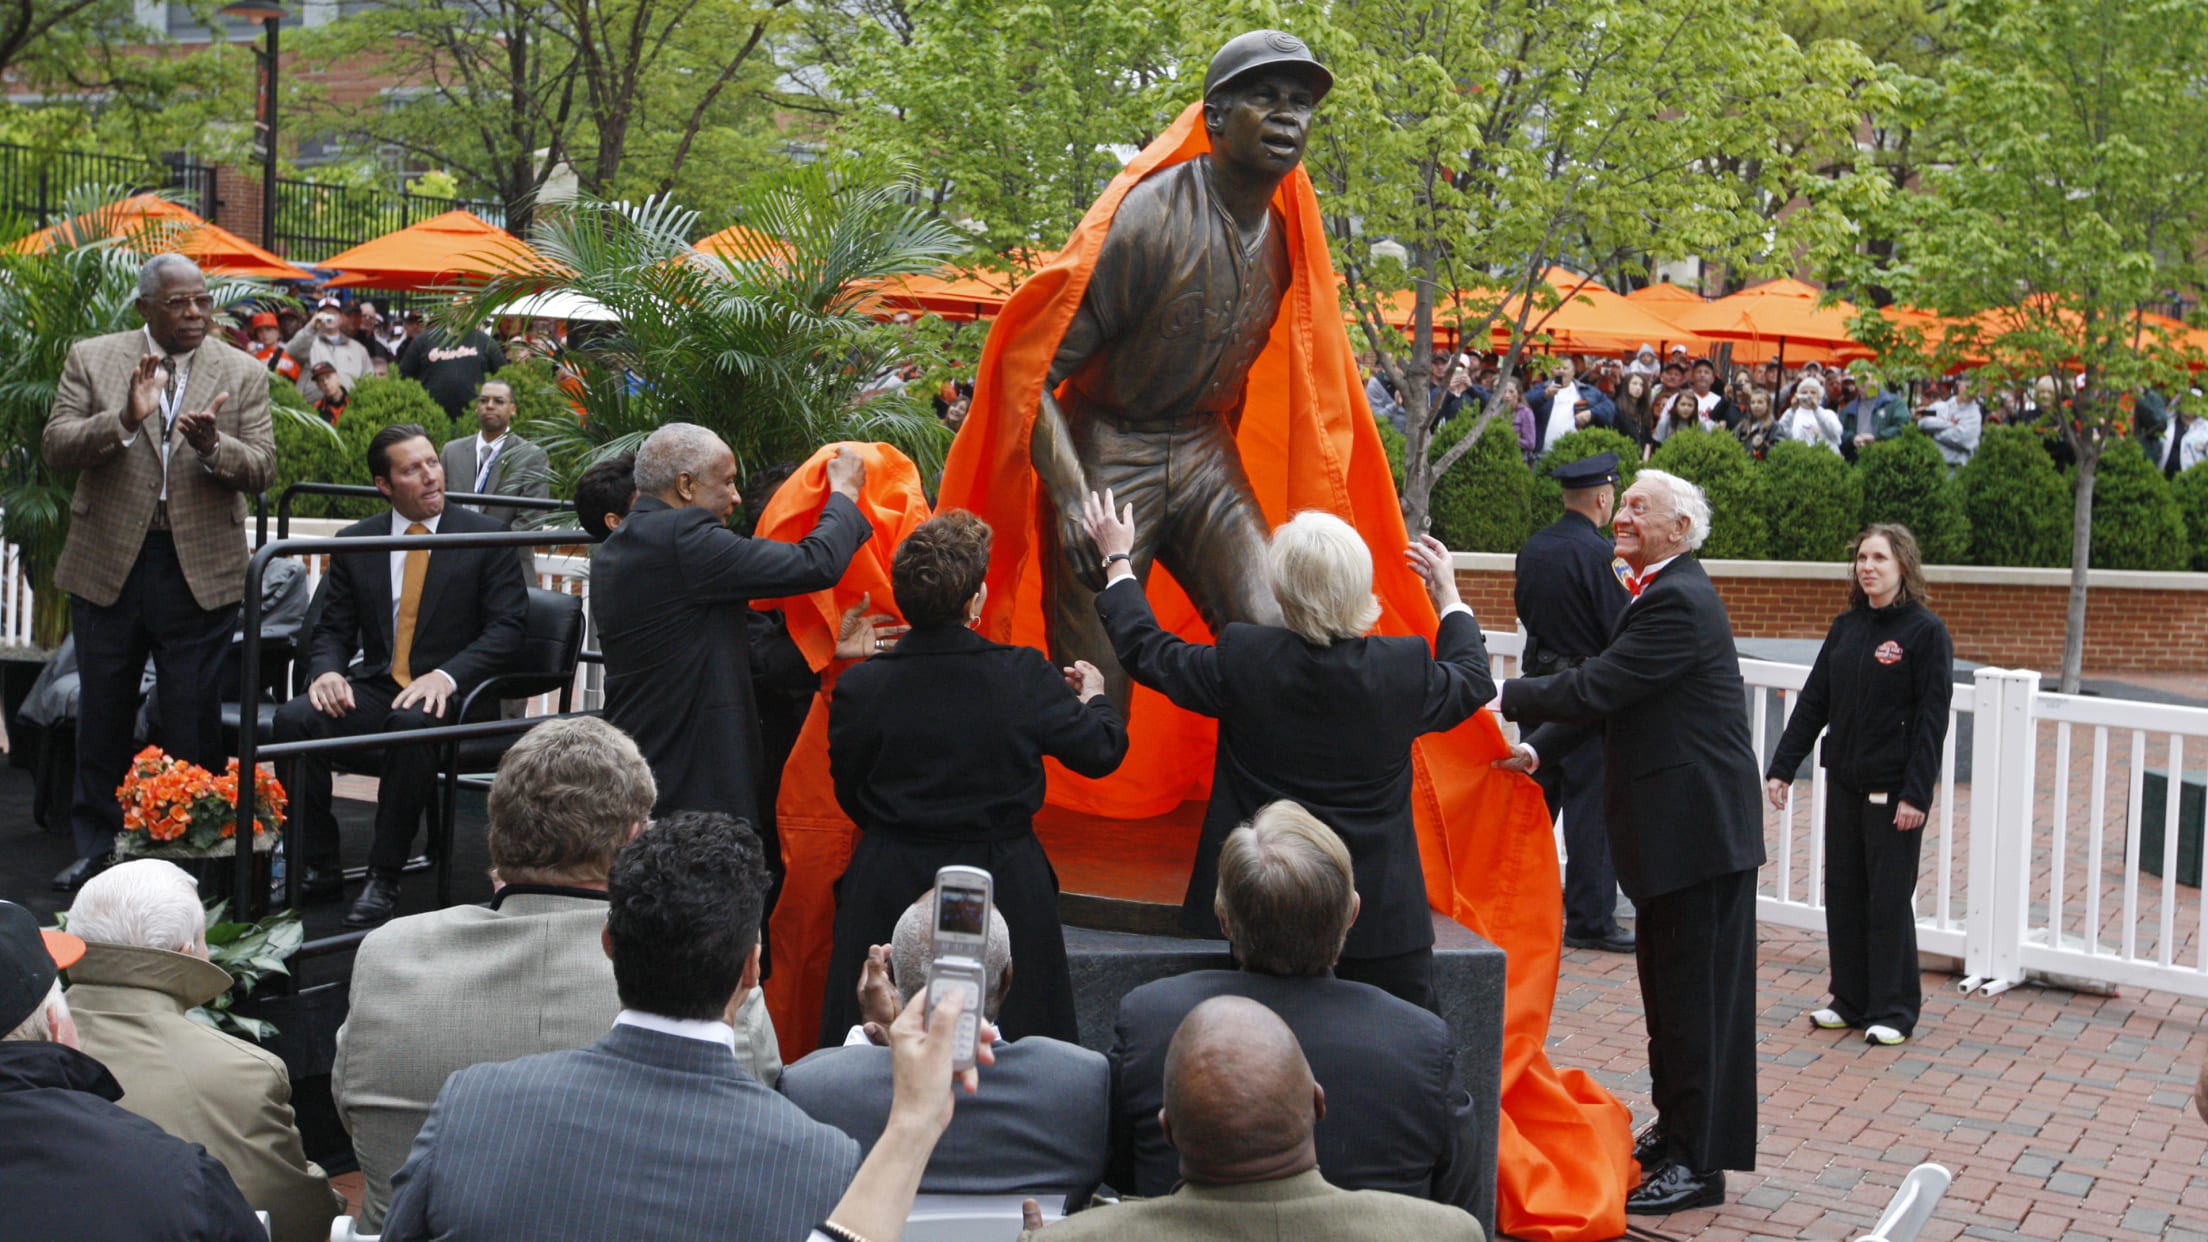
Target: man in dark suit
{"x": 496, "y": 461}
{"x": 1569, "y": 594}
{"x": 429, "y": 627}
{"x": 672, "y": 589}
{"x": 656, "y": 1128}
{"x": 1686, "y": 834}
{"x": 167, "y": 431}
{"x": 1397, "y": 1118}
{"x": 1042, "y": 1127}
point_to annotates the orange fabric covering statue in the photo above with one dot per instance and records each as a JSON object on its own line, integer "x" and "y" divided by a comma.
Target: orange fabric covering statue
{"x": 1307, "y": 441}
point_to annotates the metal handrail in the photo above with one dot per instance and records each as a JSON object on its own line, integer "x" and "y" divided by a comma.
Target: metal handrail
{"x": 366, "y": 492}
{"x": 253, "y": 903}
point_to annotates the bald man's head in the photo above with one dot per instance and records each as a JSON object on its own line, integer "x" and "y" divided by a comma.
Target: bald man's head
{"x": 1240, "y": 1102}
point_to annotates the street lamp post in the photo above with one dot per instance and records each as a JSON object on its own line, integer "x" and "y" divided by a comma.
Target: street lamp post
{"x": 269, "y": 16}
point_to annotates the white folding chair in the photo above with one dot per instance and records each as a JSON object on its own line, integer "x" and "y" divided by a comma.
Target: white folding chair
{"x": 345, "y": 1229}
{"x": 973, "y": 1218}
{"x": 1911, "y": 1205}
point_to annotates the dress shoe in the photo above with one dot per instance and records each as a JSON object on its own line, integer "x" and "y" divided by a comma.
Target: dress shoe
{"x": 378, "y": 901}
{"x": 1616, "y": 940}
{"x": 72, "y": 877}
{"x": 318, "y": 885}
{"x": 1651, "y": 1148}
{"x": 1674, "y": 1188}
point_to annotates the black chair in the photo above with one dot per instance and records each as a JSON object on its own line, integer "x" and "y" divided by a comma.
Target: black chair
{"x": 551, "y": 648}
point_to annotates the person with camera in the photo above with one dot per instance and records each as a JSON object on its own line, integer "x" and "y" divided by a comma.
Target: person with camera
{"x": 936, "y": 746}
{"x": 324, "y": 339}
{"x": 1882, "y": 682}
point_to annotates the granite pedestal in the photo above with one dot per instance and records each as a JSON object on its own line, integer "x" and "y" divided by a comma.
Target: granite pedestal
{"x": 1468, "y": 976}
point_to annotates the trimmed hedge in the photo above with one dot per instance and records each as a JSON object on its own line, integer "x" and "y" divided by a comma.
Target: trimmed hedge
{"x": 1728, "y": 476}
{"x": 2137, "y": 524}
{"x": 1905, "y": 481}
{"x": 2018, "y": 503}
{"x": 1484, "y": 503}
{"x": 1548, "y": 494}
{"x": 1811, "y": 499}
{"x": 2190, "y": 491}
{"x": 305, "y": 454}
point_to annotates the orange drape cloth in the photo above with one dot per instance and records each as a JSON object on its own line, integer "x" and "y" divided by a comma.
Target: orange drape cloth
{"x": 1308, "y": 441}
{"x": 816, "y": 835}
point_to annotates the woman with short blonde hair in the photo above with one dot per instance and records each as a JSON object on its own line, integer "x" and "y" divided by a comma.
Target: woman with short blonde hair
{"x": 1317, "y": 711}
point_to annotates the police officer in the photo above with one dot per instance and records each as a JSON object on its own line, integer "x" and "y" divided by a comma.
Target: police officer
{"x": 1570, "y": 591}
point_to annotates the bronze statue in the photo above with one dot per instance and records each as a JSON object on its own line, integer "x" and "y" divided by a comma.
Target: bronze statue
{"x": 1182, "y": 300}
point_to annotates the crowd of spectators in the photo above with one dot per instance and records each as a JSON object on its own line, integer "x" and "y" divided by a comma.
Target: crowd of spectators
{"x": 1842, "y": 409}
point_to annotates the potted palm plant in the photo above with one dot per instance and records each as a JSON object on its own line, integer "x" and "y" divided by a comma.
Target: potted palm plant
{"x": 770, "y": 347}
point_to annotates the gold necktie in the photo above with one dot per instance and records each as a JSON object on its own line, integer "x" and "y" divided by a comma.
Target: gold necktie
{"x": 410, "y": 607}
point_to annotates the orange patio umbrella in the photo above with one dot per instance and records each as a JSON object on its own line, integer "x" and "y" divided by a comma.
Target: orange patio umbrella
{"x": 954, "y": 293}
{"x": 438, "y": 252}
{"x": 156, "y": 225}
{"x": 741, "y": 242}
{"x": 1775, "y": 318}
{"x": 1664, "y": 295}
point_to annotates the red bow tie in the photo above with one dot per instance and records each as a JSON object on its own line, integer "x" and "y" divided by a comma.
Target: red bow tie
{"x": 1636, "y": 583}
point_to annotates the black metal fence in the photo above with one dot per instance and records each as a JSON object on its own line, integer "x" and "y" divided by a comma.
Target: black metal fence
{"x": 35, "y": 185}
{"x": 315, "y": 220}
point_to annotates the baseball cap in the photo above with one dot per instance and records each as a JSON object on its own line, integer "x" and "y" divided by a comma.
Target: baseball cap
{"x": 30, "y": 960}
{"x": 329, "y": 302}
{"x": 266, "y": 319}
{"x": 323, "y": 368}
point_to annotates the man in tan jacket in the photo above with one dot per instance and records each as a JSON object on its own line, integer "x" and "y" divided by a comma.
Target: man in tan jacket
{"x": 167, "y": 428}
{"x": 145, "y": 964}
{"x": 1241, "y": 1107}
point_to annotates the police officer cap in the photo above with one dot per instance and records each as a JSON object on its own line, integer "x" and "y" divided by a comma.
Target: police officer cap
{"x": 1588, "y": 471}
{"x": 1266, "y": 49}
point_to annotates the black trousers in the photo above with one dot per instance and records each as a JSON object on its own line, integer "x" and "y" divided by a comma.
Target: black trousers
{"x": 1406, "y": 975}
{"x": 1696, "y": 950}
{"x": 1870, "y": 875}
{"x": 407, "y": 774}
{"x": 1573, "y": 785}
{"x": 155, "y": 615}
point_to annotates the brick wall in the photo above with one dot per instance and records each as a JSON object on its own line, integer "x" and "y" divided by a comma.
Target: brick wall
{"x": 2009, "y": 617}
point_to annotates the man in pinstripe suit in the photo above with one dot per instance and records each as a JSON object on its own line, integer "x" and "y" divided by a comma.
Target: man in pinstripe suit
{"x": 655, "y": 1130}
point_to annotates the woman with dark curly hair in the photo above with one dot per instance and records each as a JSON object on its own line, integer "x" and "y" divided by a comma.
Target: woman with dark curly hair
{"x": 1883, "y": 682}
{"x": 937, "y": 746}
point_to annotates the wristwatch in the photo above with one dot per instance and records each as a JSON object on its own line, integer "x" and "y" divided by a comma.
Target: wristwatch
{"x": 1116, "y": 556}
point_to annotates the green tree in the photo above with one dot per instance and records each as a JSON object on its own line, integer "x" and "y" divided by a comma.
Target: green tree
{"x": 1715, "y": 461}
{"x": 2062, "y": 191}
{"x": 2017, "y": 502}
{"x": 768, "y": 349}
{"x": 1905, "y": 481}
{"x": 2136, "y": 522}
{"x": 1811, "y": 502}
{"x": 1487, "y": 142}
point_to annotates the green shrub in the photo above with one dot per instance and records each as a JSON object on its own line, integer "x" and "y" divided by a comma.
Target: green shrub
{"x": 2137, "y": 524}
{"x": 2019, "y": 505}
{"x": 2190, "y": 491}
{"x": 1548, "y": 494}
{"x": 1720, "y": 466}
{"x": 1481, "y": 505}
{"x": 1905, "y": 481}
{"x": 1811, "y": 499}
{"x": 376, "y": 404}
{"x": 307, "y": 449}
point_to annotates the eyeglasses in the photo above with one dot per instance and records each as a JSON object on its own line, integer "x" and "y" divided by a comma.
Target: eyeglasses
{"x": 178, "y": 305}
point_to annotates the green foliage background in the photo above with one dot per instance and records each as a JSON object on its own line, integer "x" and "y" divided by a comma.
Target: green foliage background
{"x": 1905, "y": 480}
{"x": 1812, "y": 498}
{"x": 1548, "y": 494}
{"x": 2136, "y": 522}
{"x": 1716, "y": 461}
{"x": 2017, "y": 501}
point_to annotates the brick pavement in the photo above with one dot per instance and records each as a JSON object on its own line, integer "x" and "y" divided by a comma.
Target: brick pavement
{"x": 2061, "y": 1115}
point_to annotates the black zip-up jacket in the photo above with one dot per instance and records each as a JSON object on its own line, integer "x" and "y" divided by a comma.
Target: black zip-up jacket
{"x": 1883, "y": 681}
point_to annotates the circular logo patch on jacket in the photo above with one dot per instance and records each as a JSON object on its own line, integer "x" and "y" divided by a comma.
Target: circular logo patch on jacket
{"x": 1889, "y": 652}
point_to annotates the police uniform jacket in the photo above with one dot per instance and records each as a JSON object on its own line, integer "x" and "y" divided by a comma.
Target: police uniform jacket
{"x": 1882, "y": 681}
{"x": 1568, "y": 592}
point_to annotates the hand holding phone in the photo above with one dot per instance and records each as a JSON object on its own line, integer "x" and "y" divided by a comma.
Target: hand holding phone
{"x": 961, "y": 937}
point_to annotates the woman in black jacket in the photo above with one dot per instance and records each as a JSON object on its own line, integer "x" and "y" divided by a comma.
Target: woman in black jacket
{"x": 936, "y": 747}
{"x": 1882, "y": 681}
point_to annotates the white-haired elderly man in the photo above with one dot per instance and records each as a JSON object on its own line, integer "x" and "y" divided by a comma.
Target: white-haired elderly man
{"x": 672, "y": 590}
{"x": 438, "y": 992}
{"x": 1041, "y": 1127}
{"x": 73, "y": 1163}
{"x": 1686, "y": 833}
{"x": 144, "y": 967}
{"x": 1317, "y": 711}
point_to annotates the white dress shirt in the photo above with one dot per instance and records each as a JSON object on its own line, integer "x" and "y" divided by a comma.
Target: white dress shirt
{"x": 483, "y": 450}
{"x": 706, "y": 1030}
{"x": 1563, "y": 419}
